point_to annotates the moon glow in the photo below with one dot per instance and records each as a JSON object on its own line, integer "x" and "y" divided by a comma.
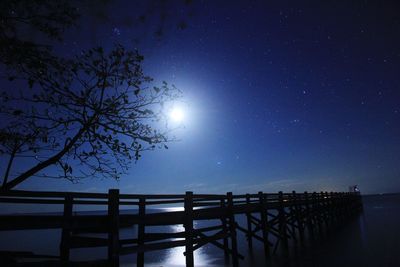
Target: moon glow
{"x": 177, "y": 115}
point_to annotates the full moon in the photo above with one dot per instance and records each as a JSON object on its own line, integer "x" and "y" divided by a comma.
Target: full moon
{"x": 177, "y": 115}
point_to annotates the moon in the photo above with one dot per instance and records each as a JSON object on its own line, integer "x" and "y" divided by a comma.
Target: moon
{"x": 177, "y": 115}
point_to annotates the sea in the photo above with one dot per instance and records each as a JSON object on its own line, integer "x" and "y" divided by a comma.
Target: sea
{"x": 369, "y": 239}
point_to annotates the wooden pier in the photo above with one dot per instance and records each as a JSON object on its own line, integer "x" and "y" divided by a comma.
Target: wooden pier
{"x": 275, "y": 220}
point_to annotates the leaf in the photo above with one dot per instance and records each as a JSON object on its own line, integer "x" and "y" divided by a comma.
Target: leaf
{"x": 31, "y": 82}
{"x": 17, "y": 112}
{"x": 182, "y": 25}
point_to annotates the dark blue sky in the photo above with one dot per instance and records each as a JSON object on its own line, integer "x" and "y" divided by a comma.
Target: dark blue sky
{"x": 291, "y": 95}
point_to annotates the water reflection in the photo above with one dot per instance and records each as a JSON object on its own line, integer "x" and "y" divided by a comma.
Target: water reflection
{"x": 363, "y": 233}
{"x": 175, "y": 256}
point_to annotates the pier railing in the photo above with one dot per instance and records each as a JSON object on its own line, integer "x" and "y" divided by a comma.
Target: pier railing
{"x": 275, "y": 219}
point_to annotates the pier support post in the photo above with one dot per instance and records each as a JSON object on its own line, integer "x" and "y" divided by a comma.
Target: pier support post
{"x": 113, "y": 231}
{"x": 308, "y": 217}
{"x": 347, "y": 203}
{"x": 326, "y": 208}
{"x": 282, "y": 222}
{"x": 291, "y": 218}
{"x": 262, "y": 198}
{"x": 249, "y": 228}
{"x": 189, "y": 229}
{"x": 66, "y": 230}
{"x": 232, "y": 230}
{"x": 141, "y": 231}
{"x": 225, "y": 229}
{"x": 359, "y": 202}
{"x": 298, "y": 217}
{"x": 316, "y": 210}
{"x": 340, "y": 206}
{"x": 331, "y": 208}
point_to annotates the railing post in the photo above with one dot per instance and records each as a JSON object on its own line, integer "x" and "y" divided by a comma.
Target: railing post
{"x": 298, "y": 218}
{"x": 141, "y": 230}
{"x": 189, "y": 229}
{"x": 113, "y": 232}
{"x": 332, "y": 207}
{"x": 340, "y": 206}
{"x": 308, "y": 216}
{"x": 249, "y": 228}
{"x": 282, "y": 222}
{"x": 225, "y": 229}
{"x": 66, "y": 230}
{"x": 320, "y": 201}
{"x": 291, "y": 218}
{"x": 360, "y": 202}
{"x": 232, "y": 230}
{"x": 326, "y": 208}
{"x": 347, "y": 204}
{"x": 316, "y": 210}
{"x": 262, "y": 198}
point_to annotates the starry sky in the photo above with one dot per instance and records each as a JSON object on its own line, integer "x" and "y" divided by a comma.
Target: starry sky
{"x": 278, "y": 95}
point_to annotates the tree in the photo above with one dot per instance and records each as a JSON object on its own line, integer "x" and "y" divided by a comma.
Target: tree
{"x": 86, "y": 116}
{"x": 47, "y": 19}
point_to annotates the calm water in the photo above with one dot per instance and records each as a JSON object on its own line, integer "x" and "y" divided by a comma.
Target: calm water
{"x": 372, "y": 239}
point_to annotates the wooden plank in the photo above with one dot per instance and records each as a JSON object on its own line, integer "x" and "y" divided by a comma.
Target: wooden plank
{"x": 87, "y": 242}
{"x": 31, "y": 201}
{"x": 30, "y": 222}
{"x": 128, "y": 241}
{"x": 25, "y": 255}
{"x": 206, "y": 204}
{"x": 152, "y": 246}
{"x": 208, "y": 239}
{"x": 155, "y": 196}
{"x": 227, "y": 249}
{"x": 52, "y": 194}
{"x": 154, "y": 219}
{"x": 151, "y": 237}
{"x": 252, "y": 233}
{"x": 163, "y": 202}
{"x": 209, "y": 228}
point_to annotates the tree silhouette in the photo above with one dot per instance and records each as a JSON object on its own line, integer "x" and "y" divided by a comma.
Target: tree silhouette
{"x": 87, "y": 116}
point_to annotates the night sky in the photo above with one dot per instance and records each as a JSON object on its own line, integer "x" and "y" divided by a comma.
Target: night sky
{"x": 290, "y": 95}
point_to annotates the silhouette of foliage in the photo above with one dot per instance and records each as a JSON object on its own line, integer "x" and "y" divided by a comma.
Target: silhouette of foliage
{"x": 87, "y": 116}
{"x": 45, "y": 17}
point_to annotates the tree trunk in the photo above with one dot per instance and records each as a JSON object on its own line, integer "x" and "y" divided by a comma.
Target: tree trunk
{"x": 9, "y": 166}
{"x": 50, "y": 161}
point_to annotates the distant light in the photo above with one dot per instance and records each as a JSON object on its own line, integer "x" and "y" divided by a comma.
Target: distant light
{"x": 177, "y": 115}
